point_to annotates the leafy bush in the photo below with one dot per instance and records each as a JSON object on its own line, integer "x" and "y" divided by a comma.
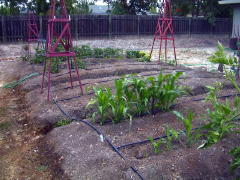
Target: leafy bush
{"x": 220, "y": 57}
{"x": 136, "y": 96}
{"x": 134, "y": 54}
{"x": 221, "y": 118}
{"x": 83, "y": 51}
{"x": 98, "y": 52}
{"x": 80, "y": 63}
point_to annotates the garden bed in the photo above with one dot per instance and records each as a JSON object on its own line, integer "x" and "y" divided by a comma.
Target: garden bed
{"x": 83, "y": 153}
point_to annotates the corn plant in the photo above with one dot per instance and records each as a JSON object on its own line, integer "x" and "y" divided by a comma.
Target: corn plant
{"x": 236, "y": 161}
{"x": 221, "y": 118}
{"x": 102, "y": 101}
{"x": 119, "y": 104}
{"x": 187, "y": 122}
{"x": 136, "y": 97}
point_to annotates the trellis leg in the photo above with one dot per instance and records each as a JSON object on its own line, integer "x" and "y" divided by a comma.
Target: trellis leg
{"x": 165, "y": 50}
{"x": 44, "y": 73}
{"x": 49, "y": 77}
{"x": 174, "y": 49}
{"x": 160, "y": 51}
{"x": 78, "y": 76}
{"x": 70, "y": 72}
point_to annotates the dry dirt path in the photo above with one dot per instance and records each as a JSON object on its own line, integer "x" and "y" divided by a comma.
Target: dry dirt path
{"x": 23, "y": 154}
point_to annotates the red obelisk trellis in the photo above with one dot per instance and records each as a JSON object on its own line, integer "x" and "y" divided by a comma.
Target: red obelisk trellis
{"x": 164, "y": 29}
{"x": 54, "y": 39}
{"x": 32, "y": 30}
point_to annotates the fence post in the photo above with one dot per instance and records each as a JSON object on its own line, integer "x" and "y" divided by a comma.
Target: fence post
{"x": 3, "y": 29}
{"x": 189, "y": 28}
{"x": 138, "y": 25}
{"x": 110, "y": 26}
{"x": 76, "y": 26}
{"x": 41, "y": 27}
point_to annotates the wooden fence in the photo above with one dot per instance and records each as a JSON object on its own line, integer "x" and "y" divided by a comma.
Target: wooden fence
{"x": 14, "y": 28}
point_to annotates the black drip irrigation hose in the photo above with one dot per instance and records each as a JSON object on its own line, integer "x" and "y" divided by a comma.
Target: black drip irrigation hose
{"x": 162, "y": 137}
{"x": 99, "y": 133}
{"x": 148, "y": 140}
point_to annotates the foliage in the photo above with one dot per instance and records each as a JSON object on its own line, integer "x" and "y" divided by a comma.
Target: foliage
{"x": 83, "y": 51}
{"x": 55, "y": 66}
{"x": 136, "y": 96}
{"x": 156, "y": 145}
{"x": 221, "y": 118}
{"x": 87, "y": 52}
{"x": 140, "y": 55}
{"x": 132, "y": 6}
{"x": 172, "y": 135}
{"x": 82, "y": 7}
{"x": 5, "y": 11}
{"x": 62, "y": 122}
{"x": 236, "y": 155}
{"x": 187, "y": 122}
{"x": 80, "y": 63}
{"x": 220, "y": 57}
{"x": 110, "y": 106}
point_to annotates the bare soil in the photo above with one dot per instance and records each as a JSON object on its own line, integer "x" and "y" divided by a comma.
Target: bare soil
{"x": 33, "y": 148}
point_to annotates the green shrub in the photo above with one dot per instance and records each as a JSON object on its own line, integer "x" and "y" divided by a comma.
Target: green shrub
{"x": 221, "y": 118}
{"x": 98, "y": 52}
{"x": 83, "y": 51}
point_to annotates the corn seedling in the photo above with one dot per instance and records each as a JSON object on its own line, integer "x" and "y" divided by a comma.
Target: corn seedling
{"x": 102, "y": 101}
{"x": 187, "y": 122}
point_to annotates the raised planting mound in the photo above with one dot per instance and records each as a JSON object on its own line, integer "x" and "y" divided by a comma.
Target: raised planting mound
{"x": 115, "y": 129}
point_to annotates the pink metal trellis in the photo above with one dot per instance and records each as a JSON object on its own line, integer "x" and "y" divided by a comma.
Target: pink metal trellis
{"x": 32, "y": 30}
{"x": 164, "y": 29}
{"x": 33, "y": 33}
{"x": 54, "y": 39}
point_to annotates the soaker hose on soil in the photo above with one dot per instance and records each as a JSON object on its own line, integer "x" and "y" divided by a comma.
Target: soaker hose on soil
{"x": 20, "y": 81}
{"x": 99, "y": 133}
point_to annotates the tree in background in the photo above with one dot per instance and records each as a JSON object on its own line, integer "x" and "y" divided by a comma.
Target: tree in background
{"x": 82, "y": 7}
{"x": 132, "y": 7}
{"x": 12, "y": 7}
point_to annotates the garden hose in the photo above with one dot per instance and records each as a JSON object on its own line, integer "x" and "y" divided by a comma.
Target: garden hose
{"x": 20, "y": 81}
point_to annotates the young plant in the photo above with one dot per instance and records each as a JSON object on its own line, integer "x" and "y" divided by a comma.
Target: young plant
{"x": 62, "y": 122}
{"x": 187, "y": 122}
{"x": 236, "y": 161}
{"x": 172, "y": 135}
{"x": 119, "y": 104}
{"x": 102, "y": 101}
{"x": 156, "y": 145}
{"x": 221, "y": 118}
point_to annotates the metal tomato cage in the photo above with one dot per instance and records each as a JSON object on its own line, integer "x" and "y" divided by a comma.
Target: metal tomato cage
{"x": 54, "y": 39}
{"x": 164, "y": 29}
